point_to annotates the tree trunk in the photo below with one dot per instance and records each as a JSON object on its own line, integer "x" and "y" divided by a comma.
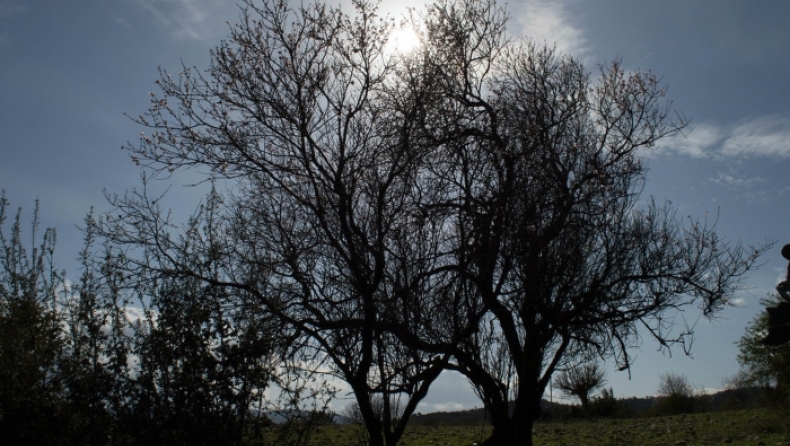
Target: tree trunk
{"x": 585, "y": 400}
{"x": 517, "y": 429}
{"x": 515, "y": 433}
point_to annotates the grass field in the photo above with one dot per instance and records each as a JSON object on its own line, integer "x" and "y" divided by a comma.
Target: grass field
{"x": 748, "y": 427}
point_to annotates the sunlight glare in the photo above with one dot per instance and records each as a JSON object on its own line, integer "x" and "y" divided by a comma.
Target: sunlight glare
{"x": 403, "y": 40}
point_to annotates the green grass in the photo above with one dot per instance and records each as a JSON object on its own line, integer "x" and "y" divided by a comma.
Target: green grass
{"x": 747, "y": 427}
{"x": 414, "y": 436}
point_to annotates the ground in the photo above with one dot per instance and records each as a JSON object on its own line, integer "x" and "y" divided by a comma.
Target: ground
{"x": 754, "y": 427}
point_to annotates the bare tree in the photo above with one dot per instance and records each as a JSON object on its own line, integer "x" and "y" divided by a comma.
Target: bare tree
{"x": 542, "y": 181}
{"x": 580, "y": 381}
{"x": 324, "y": 223}
{"x": 474, "y": 205}
{"x": 676, "y": 395}
{"x": 674, "y": 384}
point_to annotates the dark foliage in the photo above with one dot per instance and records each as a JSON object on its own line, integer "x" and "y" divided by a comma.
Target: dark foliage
{"x": 31, "y": 388}
{"x": 133, "y": 359}
{"x": 606, "y": 405}
{"x": 762, "y": 365}
{"x": 675, "y": 395}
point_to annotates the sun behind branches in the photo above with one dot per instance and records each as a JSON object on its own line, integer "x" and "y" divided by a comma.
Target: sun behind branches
{"x": 403, "y": 40}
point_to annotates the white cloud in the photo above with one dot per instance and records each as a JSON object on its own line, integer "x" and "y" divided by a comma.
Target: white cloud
{"x": 765, "y": 136}
{"x": 451, "y": 391}
{"x": 735, "y": 182}
{"x": 443, "y": 407}
{"x": 203, "y": 20}
{"x": 136, "y": 314}
{"x": 150, "y": 6}
{"x": 707, "y": 391}
{"x": 781, "y": 275}
{"x": 550, "y": 22}
{"x": 695, "y": 143}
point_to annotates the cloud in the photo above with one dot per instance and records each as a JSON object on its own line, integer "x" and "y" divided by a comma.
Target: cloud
{"x": 136, "y": 314}
{"x": 203, "y": 20}
{"x": 445, "y": 407}
{"x": 765, "y": 136}
{"x": 707, "y": 390}
{"x": 696, "y": 143}
{"x": 124, "y": 23}
{"x": 734, "y": 182}
{"x": 451, "y": 391}
{"x": 159, "y": 16}
{"x": 754, "y": 189}
{"x": 550, "y": 22}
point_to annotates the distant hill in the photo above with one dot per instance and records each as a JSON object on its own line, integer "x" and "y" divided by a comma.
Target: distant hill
{"x": 477, "y": 417}
{"x": 638, "y": 405}
{"x": 473, "y": 417}
{"x": 470, "y": 417}
{"x": 723, "y": 400}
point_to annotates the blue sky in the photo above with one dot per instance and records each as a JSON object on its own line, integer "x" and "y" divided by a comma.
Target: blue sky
{"x": 70, "y": 70}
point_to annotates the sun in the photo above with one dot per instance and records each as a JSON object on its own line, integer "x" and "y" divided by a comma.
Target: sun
{"x": 403, "y": 40}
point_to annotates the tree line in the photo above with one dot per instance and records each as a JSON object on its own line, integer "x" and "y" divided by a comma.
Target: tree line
{"x": 472, "y": 205}
{"x": 148, "y": 359}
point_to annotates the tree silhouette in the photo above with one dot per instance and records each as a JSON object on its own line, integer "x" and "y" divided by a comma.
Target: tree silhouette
{"x": 542, "y": 179}
{"x": 326, "y": 227}
{"x": 473, "y": 205}
{"x": 676, "y": 394}
{"x": 763, "y": 365}
{"x": 31, "y": 341}
{"x": 580, "y": 381}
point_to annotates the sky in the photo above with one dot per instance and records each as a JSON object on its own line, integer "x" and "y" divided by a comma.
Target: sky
{"x": 72, "y": 72}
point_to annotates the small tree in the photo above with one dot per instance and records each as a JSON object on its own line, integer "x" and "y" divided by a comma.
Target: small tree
{"x": 190, "y": 368}
{"x": 676, "y": 394}
{"x": 606, "y": 405}
{"x": 87, "y": 367}
{"x": 580, "y": 382}
{"x": 202, "y": 354}
{"x": 31, "y": 339}
{"x": 740, "y": 392}
{"x": 763, "y": 365}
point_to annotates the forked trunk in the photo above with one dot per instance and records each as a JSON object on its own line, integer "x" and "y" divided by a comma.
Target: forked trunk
{"x": 514, "y": 433}
{"x": 516, "y": 430}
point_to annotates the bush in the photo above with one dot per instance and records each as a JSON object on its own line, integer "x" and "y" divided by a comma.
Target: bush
{"x": 605, "y": 405}
{"x": 676, "y": 395}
